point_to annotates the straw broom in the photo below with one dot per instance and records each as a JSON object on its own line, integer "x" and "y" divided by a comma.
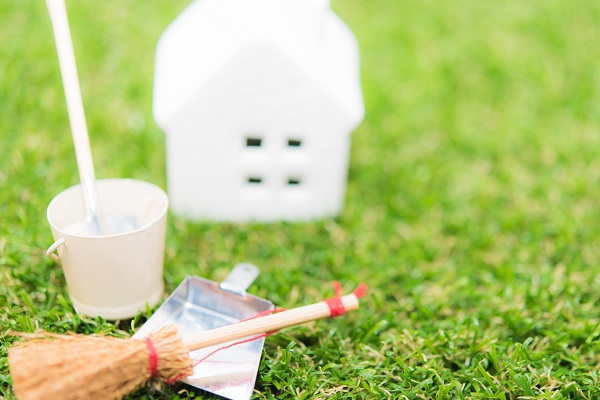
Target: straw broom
{"x": 69, "y": 367}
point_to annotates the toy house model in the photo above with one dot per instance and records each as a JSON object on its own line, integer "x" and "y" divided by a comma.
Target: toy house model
{"x": 258, "y": 99}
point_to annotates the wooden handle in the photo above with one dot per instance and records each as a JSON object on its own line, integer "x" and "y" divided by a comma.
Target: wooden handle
{"x": 270, "y": 323}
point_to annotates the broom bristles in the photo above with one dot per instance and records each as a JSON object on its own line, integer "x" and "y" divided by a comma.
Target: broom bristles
{"x": 70, "y": 367}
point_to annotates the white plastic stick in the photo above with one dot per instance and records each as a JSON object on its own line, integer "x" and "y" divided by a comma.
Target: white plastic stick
{"x": 79, "y": 131}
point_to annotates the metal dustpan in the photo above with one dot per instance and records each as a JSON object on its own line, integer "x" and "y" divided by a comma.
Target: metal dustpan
{"x": 198, "y": 305}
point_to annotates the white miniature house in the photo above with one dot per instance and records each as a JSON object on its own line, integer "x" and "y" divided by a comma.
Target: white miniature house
{"x": 258, "y": 99}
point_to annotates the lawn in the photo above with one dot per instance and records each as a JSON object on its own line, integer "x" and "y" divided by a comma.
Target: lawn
{"x": 472, "y": 193}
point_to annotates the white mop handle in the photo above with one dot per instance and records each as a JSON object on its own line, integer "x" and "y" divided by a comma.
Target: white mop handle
{"x": 68, "y": 69}
{"x": 269, "y": 323}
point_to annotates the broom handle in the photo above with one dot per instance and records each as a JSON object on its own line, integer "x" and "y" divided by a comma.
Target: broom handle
{"x": 269, "y": 323}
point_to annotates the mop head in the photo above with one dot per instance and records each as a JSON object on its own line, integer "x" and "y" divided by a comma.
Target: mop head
{"x": 50, "y": 366}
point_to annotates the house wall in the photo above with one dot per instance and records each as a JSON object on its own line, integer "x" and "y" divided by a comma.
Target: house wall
{"x": 261, "y": 141}
{"x": 230, "y": 177}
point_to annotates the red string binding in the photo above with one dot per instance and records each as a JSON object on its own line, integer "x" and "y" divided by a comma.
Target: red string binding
{"x": 336, "y": 307}
{"x": 361, "y": 290}
{"x": 153, "y": 362}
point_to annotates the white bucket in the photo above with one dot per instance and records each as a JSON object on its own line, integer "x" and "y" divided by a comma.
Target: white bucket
{"x": 112, "y": 276}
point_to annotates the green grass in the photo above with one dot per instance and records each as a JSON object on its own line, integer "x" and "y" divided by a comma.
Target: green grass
{"x": 472, "y": 206}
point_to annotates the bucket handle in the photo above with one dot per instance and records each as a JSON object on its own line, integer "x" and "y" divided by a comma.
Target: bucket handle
{"x": 50, "y": 252}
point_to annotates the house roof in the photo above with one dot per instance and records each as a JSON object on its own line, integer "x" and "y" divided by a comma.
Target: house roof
{"x": 210, "y": 35}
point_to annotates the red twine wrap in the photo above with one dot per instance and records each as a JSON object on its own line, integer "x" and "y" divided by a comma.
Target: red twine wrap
{"x": 336, "y": 307}
{"x": 153, "y": 362}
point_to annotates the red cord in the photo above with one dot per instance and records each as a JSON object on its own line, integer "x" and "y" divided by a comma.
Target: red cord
{"x": 361, "y": 290}
{"x": 336, "y": 307}
{"x": 263, "y": 313}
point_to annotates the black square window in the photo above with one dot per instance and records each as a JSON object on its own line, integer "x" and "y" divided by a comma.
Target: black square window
{"x": 253, "y": 142}
{"x": 294, "y": 143}
{"x": 254, "y": 180}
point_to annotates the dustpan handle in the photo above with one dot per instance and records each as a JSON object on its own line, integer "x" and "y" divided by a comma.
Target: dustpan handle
{"x": 270, "y": 323}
